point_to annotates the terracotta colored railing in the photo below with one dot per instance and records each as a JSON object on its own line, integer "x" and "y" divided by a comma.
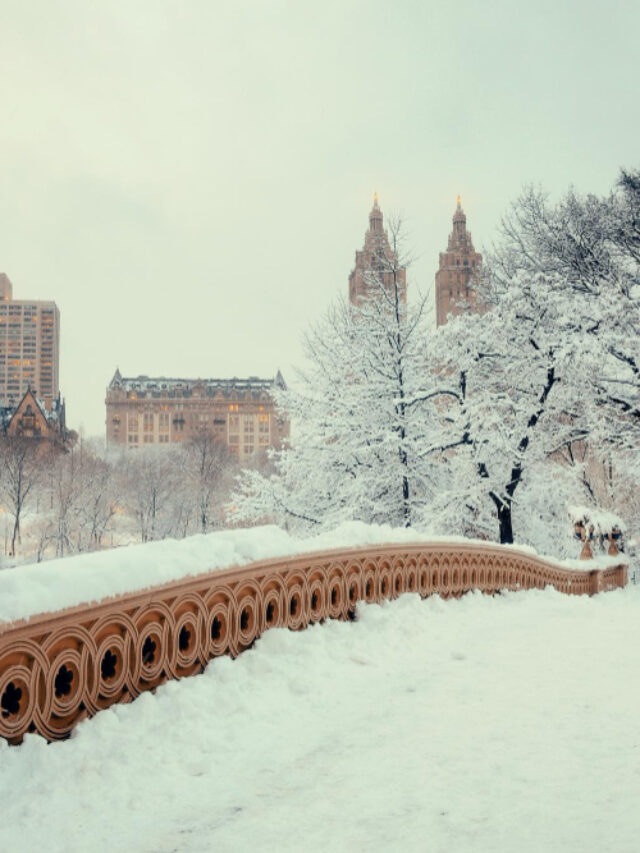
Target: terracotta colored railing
{"x": 57, "y": 668}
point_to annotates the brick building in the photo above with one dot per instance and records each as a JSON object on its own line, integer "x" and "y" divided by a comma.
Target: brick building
{"x": 376, "y": 261}
{"x": 144, "y": 411}
{"x": 32, "y": 419}
{"x": 29, "y": 348}
{"x": 459, "y": 265}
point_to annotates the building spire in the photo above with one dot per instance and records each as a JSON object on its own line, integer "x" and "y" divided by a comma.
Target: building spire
{"x": 375, "y": 217}
{"x": 376, "y": 265}
{"x": 458, "y": 272}
{"x": 459, "y": 219}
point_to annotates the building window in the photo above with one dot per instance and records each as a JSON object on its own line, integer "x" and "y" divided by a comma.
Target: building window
{"x": 263, "y": 429}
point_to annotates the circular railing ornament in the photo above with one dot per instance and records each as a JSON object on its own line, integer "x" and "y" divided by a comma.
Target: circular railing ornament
{"x": 58, "y": 668}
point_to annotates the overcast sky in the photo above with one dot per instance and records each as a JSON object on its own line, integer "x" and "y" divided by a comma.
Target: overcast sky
{"x": 189, "y": 180}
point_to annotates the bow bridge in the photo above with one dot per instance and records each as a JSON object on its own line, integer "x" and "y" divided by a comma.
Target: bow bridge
{"x": 58, "y": 668}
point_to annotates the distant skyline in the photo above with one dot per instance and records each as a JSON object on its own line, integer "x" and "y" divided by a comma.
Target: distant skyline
{"x": 190, "y": 182}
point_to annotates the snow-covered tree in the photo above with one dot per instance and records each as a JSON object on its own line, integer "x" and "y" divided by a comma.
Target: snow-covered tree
{"x": 360, "y": 415}
{"x": 593, "y": 246}
{"x": 554, "y": 362}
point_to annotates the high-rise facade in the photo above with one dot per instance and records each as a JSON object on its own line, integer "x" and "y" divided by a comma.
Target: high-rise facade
{"x": 376, "y": 263}
{"x": 241, "y": 413}
{"x": 458, "y": 268}
{"x": 29, "y": 348}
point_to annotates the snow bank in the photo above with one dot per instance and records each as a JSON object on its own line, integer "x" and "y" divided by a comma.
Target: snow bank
{"x": 44, "y": 587}
{"x": 485, "y": 724}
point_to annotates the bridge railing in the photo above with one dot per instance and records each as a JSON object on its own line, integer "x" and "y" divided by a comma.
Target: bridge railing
{"x": 57, "y": 668}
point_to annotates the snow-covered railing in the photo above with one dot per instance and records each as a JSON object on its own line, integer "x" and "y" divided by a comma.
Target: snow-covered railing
{"x": 599, "y": 530}
{"x": 59, "y": 667}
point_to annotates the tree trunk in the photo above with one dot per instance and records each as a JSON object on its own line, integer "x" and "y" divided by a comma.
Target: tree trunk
{"x": 504, "y": 520}
{"x": 16, "y": 534}
{"x": 406, "y": 506}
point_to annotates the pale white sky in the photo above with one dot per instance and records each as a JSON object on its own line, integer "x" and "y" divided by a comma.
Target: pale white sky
{"x": 189, "y": 180}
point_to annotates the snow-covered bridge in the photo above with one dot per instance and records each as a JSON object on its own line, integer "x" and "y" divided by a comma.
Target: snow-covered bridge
{"x": 86, "y": 633}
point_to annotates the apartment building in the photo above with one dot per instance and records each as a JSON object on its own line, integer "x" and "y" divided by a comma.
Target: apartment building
{"x": 29, "y": 348}
{"x": 144, "y": 411}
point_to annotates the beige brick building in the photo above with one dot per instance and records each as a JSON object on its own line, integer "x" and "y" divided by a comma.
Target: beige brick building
{"x": 459, "y": 265}
{"x": 29, "y": 347}
{"x": 376, "y": 259}
{"x": 144, "y": 411}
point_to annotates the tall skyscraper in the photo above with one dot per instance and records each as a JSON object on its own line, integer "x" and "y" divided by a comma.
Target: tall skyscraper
{"x": 29, "y": 347}
{"x": 459, "y": 265}
{"x": 376, "y": 262}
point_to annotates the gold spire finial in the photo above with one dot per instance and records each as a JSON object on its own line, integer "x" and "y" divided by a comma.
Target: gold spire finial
{"x": 459, "y": 200}
{"x": 375, "y": 199}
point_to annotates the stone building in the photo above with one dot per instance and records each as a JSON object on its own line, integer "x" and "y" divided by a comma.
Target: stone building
{"x": 241, "y": 413}
{"x": 32, "y": 419}
{"x": 376, "y": 261}
{"x": 29, "y": 348}
{"x": 459, "y": 265}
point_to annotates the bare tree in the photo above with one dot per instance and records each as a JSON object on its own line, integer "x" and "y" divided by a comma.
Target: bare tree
{"x": 150, "y": 479}
{"x": 24, "y": 464}
{"x": 67, "y": 490}
{"x": 102, "y": 495}
{"x": 208, "y": 465}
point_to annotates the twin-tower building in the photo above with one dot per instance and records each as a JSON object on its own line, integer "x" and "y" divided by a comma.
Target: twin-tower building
{"x": 459, "y": 266}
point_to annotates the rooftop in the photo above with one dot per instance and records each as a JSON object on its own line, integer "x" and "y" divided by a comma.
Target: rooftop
{"x": 170, "y": 384}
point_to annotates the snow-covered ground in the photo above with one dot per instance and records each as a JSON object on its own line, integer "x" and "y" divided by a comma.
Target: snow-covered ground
{"x": 480, "y": 724}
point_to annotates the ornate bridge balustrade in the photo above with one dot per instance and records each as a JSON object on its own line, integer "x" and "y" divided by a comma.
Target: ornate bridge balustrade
{"x": 57, "y": 668}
